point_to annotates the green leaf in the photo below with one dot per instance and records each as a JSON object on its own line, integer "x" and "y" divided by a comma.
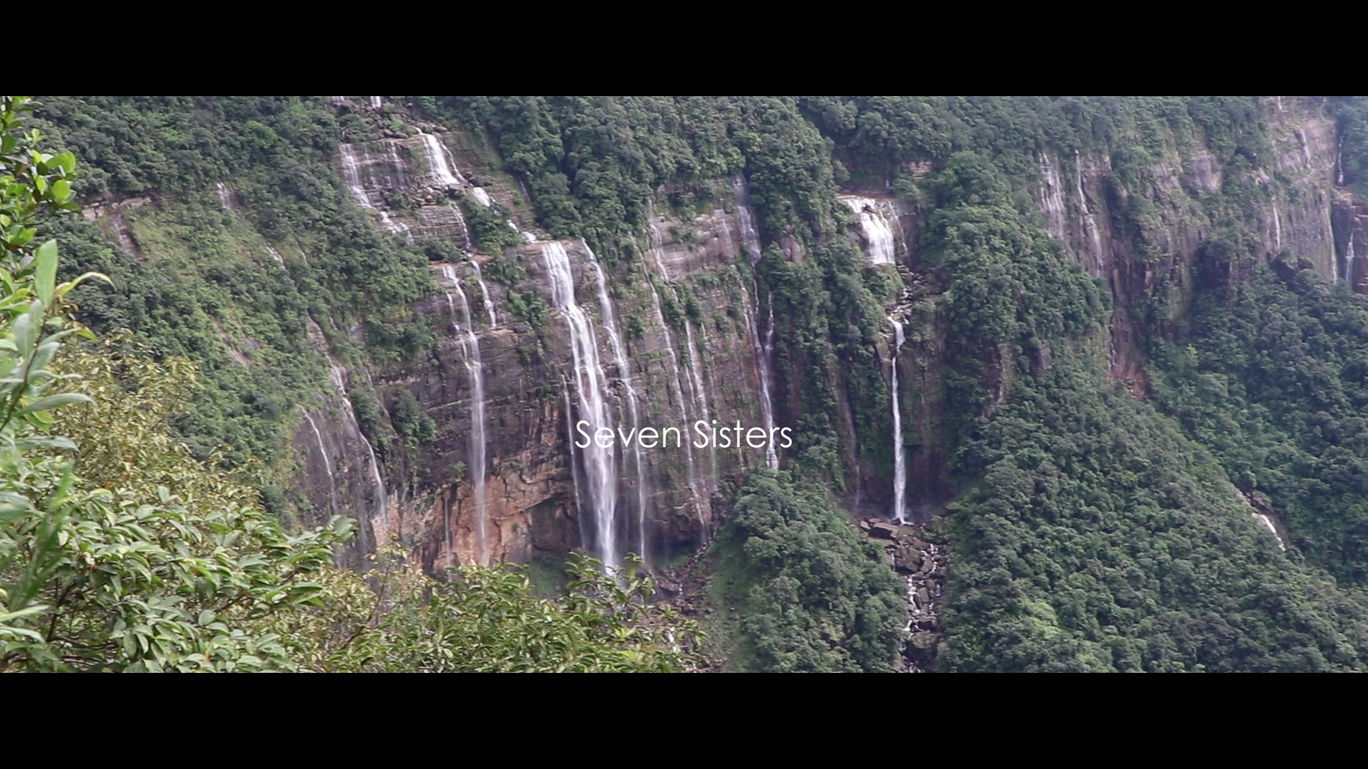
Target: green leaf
{"x": 53, "y": 401}
{"x": 45, "y": 270}
{"x": 23, "y": 335}
{"x": 61, "y": 190}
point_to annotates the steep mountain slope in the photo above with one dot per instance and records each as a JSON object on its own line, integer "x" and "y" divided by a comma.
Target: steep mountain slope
{"x": 403, "y": 306}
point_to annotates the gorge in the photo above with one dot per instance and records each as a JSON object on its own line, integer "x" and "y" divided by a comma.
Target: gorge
{"x": 1017, "y": 348}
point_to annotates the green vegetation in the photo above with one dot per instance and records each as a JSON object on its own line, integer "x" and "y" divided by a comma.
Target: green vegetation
{"x": 798, "y": 589}
{"x": 1099, "y": 538}
{"x": 1273, "y": 382}
{"x": 120, "y": 550}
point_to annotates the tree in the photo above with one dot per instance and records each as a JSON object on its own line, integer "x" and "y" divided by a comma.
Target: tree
{"x": 121, "y": 574}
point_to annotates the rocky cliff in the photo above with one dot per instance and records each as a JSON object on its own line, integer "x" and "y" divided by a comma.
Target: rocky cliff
{"x": 678, "y": 327}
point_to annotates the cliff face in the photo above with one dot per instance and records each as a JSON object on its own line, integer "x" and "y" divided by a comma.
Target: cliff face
{"x": 694, "y": 335}
{"x": 673, "y": 339}
{"x": 677, "y": 329}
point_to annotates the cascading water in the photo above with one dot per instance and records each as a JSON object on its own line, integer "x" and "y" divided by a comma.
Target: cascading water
{"x": 224, "y": 200}
{"x": 771, "y": 458}
{"x": 484, "y": 294}
{"x": 395, "y": 164}
{"x": 327, "y": 462}
{"x": 1349, "y": 258}
{"x": 878, "y": 233}
{"x": 1268, "y": 524}
{"x": 590, "y": 384}
{"x": 899, "y": 463}
{"x": 676, "y": 382}
{"x": 351, "y": 174}
{"x": 1052, "y": 198}
{"x": 701, "y": 394}
{"x": 375, "y": 102}
{"x": 1086, "y": 215}
{"x": 1277, "y": 227}
{"x": 440, "y": 171}
{"x": 335, "y": 376}
{"x": 625, "y": 374}
{"x": 461, "y": 223}
{"x": 1339, "y": 163}
{"x": 481, "y": 196}
{"x": 470, "y": 347}
{"x": 750, "y": 240}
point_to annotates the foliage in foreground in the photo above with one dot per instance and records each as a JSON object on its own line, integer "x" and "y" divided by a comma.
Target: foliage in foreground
{"x": 481, "y": 619}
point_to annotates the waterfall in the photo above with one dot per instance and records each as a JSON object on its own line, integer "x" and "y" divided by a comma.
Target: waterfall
{"x": 749, "y": 237}
{"x": 335, "y": 376}
{"x": 574, "y": 468}
{"x": 1052, "y": 198}
{"x": 395, "y": 164}
{"x": 440, "y": 172}
{"x": 1268, "y": 523}
{"x": 465, "y": 231}
{"x": 1339, "y": 162}
{"x": 1349, "y": 257}
{"x": 878, "y": 234}
{"x": 351, "y": 173}
{"x": 481, "y": 196}
{"x": 375, "y": 102}
{"x": 1089, "y": 222}
{"x": 700, "y": 394}
{"x": 750, "y": 240}
{"x": 224, "y": 201}
{"x": 470, "y": 347}
{"x": 676, "y": 382}
{"x": 624, "y": 370}
{"x": 1277, "y": 227}
{"x": 590, "y": 384}
{"x": 327, "y": 462}
{"x": 484, "y": 294}
{"x": 899, "y": 462}
{"x": 771, "y": 458}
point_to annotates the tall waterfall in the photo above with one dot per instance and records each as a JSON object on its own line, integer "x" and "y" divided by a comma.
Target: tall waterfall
{"x": 750, "y": 240}
{"x": 351, "y": 172}
{"x": 441, "y": 172}
{"x": 1052, "y": 198}
{"x": 1339, "y": 162}
{"x": 1086, "y": 216}
{"x": 327, "y": 462}
{"x": 676, "y": 381}
{"x": 624, "y": 370}
{"x": 1349, "y": 258}
{"x": 878, "y": 234}
{"x": 899, "y": 461}
{"x": 590, "y": 384}
{"x": 335, "y": 376}
{"x": 700, "y": 392}
{"x": 470, "y": 346}
{"x": 375, "y": 102}
{"x": 1277, "y": 226}
{"x": 771, "y": 458}
{"x": 484, "y": 294}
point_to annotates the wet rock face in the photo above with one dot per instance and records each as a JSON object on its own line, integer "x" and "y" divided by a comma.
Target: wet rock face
{"x": 692, "y": 368}
{"x": 1086, "y": 206}
{"x": 921, "y": 565}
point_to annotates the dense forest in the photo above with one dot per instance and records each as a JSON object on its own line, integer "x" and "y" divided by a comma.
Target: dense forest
{"x": 1128, "y": 400}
